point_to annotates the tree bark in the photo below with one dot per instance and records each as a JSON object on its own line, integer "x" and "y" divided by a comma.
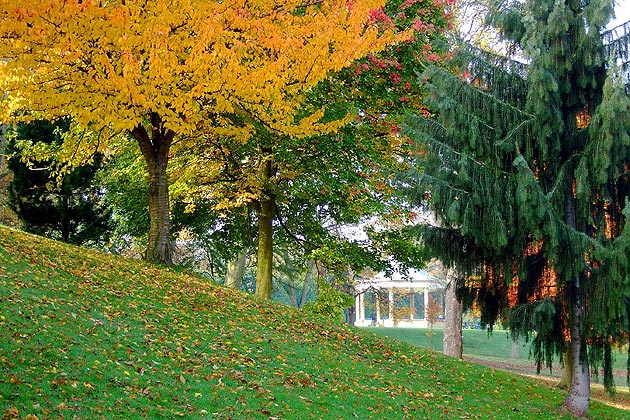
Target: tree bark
{"x": 266, "y": 205}
{"x": 567, "y": 370}
{"x": 579, "y": 396}
{"x": 235, "y": 271}
{"x": 155, "y": 150}
{"x": 265, "y": 248}
{"x": 291, "y": 292}
{"x": 452, "y": 342}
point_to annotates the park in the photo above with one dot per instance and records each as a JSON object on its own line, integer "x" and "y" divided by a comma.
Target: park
{"x": 331, "y": 209}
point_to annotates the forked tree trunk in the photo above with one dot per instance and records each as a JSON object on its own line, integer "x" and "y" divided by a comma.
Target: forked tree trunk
{"x": 155, "y": 150}
{"x": 235, "y": 271}
{"x": 452, "y": 342}
{"x": 579, "y": 396}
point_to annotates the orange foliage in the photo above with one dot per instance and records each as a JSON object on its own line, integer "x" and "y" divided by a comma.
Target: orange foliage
{"x": 546, "y": 285}
{"x": 583, "y": 118}
{"x": 109, "y": 64}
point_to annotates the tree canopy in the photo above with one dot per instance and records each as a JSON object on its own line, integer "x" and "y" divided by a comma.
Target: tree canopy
{"x": 169, "y": 72}
{"x": 296, "y": 181}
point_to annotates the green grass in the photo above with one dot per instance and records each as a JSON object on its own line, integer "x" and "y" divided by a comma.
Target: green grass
{"x": 496, "y": 346}
{"x": 88, "y": 336}
{"x": 476, "y": 342}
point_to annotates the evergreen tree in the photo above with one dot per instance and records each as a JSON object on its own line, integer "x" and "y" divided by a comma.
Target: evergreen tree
{"x": 527, "y": 168}
{"x": 70, "y": 211}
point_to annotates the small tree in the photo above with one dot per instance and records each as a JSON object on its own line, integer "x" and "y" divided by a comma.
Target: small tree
{"x": 433, "y": 312}
{"x": 305, "y": 178}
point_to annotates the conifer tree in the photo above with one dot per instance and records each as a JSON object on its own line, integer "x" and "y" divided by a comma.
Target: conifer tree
{"x": 527, "y": 167}
{"x": 69, "y": 208}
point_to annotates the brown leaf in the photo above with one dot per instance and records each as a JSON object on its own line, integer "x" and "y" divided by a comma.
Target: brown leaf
{"x": 11, "y": 413}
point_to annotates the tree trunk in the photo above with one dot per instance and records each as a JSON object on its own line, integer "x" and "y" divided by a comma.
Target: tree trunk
{"x": 310, "y": 266}
{"x": 516, "y": 349}
{"x": 155, "y": 150}
{"x": 266, "y": 204}
{"x": 567, "y": 370}
{"x": 452, "y": 342}
{"x": 579, "y": 396}
{"x": 265, "y": 248}
{"x": 235, "y": 271}
{"x": 291, "y": 292}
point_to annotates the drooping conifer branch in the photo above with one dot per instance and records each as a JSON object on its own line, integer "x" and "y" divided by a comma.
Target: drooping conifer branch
{"x": 503, "y": 76}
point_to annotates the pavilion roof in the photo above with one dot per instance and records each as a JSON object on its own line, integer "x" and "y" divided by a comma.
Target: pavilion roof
{"x": 411, "y": 279}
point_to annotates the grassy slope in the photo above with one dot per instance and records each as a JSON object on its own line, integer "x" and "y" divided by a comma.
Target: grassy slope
{"x": 495, "y": 350}
{"x": 88, "y": 335}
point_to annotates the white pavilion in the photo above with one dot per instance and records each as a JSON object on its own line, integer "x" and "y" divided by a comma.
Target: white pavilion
{"x": 416, "y": 287}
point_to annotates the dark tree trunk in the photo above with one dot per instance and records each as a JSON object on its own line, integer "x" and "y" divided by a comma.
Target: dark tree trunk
{"x": 155, "y": 150}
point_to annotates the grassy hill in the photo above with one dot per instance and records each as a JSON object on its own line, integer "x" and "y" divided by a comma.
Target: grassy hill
{"x": 90, "y": 335}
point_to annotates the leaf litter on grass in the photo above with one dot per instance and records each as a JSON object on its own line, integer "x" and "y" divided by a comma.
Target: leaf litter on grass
{"x": 91, "y": 335}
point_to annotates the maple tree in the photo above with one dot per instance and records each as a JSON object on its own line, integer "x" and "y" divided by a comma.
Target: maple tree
{"x": 298, "y": 183}
{"x": 170, "y": 72}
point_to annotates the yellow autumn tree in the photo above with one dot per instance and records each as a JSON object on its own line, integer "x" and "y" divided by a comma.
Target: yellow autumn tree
{"x": 165, "y": 72}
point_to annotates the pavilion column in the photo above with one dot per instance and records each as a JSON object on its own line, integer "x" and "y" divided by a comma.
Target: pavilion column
{"x": 363, "y": 306}
{"x": 391, "y": 304}
{"x": 357, "y": 306}
{"x": 377, "y": 303}
{"x": 426, "y": 302}
{"x": 360, "y": 303}
{"x": 412, "y": 303}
